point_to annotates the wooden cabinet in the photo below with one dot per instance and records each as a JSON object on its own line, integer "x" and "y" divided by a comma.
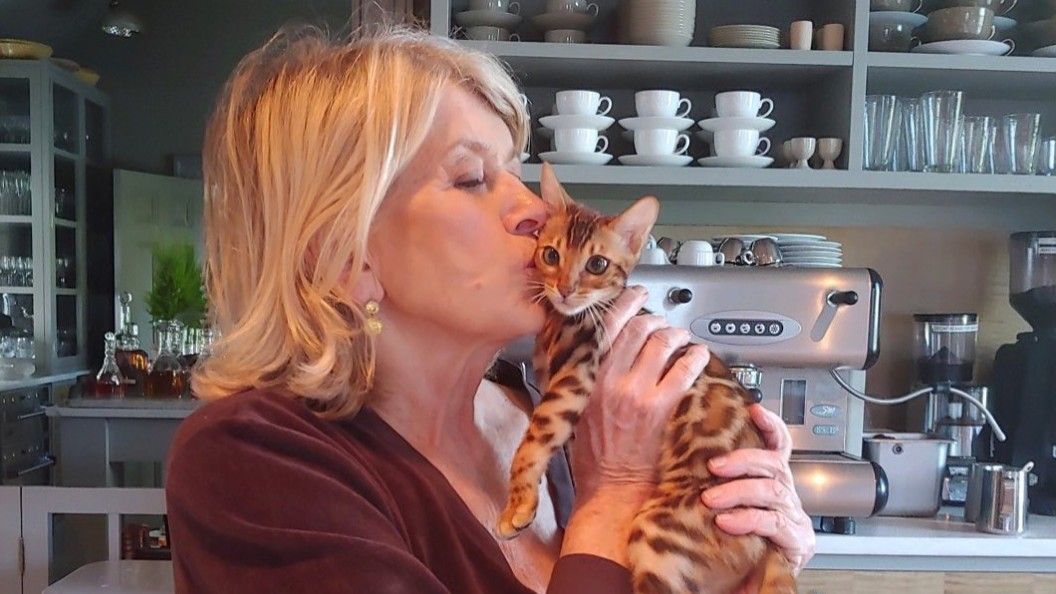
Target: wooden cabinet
{"x": 924, "y": 582}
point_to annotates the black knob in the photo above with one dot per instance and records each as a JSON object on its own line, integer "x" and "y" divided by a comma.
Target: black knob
{"x": 843, "y": 297}
{"x": 756, "y": 395}
{"x": 680, "y": 296}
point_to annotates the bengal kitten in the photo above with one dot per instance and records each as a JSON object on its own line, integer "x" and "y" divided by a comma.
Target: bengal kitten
{"x": 584, "y": 259}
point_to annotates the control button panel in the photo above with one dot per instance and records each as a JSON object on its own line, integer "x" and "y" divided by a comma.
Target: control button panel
{"x": 745, "y": 327}
{"x": 824, "y": 411}
{"x": 825, "y": 429}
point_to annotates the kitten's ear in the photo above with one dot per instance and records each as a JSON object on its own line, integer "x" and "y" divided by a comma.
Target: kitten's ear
{"x": 635, "y": 223}
{"x": 553, "y": 194}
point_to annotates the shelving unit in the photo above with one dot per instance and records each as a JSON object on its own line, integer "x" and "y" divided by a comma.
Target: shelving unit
{"x": 68, "y": 138}
{"x": 816, "y": 93}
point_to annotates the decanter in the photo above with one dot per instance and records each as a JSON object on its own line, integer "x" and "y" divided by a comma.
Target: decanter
{"x": 166, "y": 378}
{"x": 131, "y": 358}
{"x": 109, "y": 383}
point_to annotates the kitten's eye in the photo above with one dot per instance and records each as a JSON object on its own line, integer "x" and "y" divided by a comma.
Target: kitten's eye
{"x": 597, "y": 265}
{"x": 550, "y": 256}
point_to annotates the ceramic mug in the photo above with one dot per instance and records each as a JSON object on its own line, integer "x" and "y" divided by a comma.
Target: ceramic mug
{"x": 582, "y": 103}
{"x": 663, "y": 104}
{"x": 580, "y": 6}
{"x": 579, "y": 140}
{"x": 740, "y": 143}
{"x": 696, "y": 252}
{"x": 660, "y": 141}
{"x": 831, "y": 37}
{"x": 800, "y": 35}
{"x": 742, "y": 104}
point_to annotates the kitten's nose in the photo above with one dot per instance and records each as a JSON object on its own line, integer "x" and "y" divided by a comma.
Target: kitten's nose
{"x": 565, "y": 290}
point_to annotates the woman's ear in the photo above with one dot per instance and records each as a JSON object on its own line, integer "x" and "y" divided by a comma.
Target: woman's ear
{"x": 365, "y": 286}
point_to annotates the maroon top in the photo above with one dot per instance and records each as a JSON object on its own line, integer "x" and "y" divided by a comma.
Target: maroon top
{"x": 263, "y": 496}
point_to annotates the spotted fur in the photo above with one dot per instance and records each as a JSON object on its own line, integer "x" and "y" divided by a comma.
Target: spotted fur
{"x": 675, "y": 546}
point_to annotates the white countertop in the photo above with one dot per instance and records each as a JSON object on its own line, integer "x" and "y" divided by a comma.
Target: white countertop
{"x": 40, "y": 380}
{"x": 124, "y": 408}
{"x": 942, "y": 543}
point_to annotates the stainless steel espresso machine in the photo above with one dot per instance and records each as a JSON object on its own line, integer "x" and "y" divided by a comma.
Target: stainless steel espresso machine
{"x": 784, "y": 330}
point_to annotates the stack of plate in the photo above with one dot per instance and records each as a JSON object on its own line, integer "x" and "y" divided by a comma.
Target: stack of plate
{"x": 22, "y": 49}
{"x": 754, "y": 36}
{"x": 809, "y": 251}
{"x": 658, "y": 22}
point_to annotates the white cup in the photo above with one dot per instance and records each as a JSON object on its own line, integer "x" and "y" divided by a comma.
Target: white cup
{"x": 524, "y": 100}
{"x": 496, "y": 6}
{"x": 565, "y": 36}
{"x": 582, "y": 103}
{"x": 832, "y": 37}
{"x": 696, "y": 252}
{"x": 572, "y": 6}
{"x": 579, "y": 140}
{"x": 491, "y": 34}
{"x": 742, "y": 104}
{"x": 739, "y": 143}
{"x": 800, "y": 35}
{"x": 654, "y": 256}
{"x": 660, "y": 141}
{"x": 663, "y": 104}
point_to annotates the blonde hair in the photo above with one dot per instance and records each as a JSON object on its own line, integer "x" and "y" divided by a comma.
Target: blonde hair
{"x": 305, "y": 142}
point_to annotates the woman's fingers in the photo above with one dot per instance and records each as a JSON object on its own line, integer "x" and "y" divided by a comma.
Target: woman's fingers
{"x": 685, "y": 371}
{"x": 793, "y": 534}
{"x": 624, "y": 309}
{"x": 774, "y": 430}
{"x": 657, "y": 353}
{"x": 754, "y": 492}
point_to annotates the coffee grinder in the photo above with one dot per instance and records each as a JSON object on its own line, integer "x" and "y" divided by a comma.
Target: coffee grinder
{"x": 1024, "y": 384}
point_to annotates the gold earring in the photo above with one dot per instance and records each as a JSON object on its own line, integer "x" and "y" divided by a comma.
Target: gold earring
{"x": 373, "y": 324}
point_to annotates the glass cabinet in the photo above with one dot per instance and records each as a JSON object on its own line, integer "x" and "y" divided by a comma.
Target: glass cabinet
{"x": 54, "y": 145}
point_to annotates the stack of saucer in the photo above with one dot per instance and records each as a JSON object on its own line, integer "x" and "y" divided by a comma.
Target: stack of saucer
{"x": 809, "y": 251}
{"x": 579, "y": 117}
{"x": 563, "y": 18}
{"x": 658, "y": 22}
{"x": 734, "y": 133}
{"x": 489, "y": 20}
{"x": 752, "y": 36}
{"x": 655, "y": 130}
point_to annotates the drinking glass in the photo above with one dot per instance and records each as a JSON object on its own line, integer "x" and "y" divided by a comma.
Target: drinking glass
{"x": 1047, "y": 156}
{"x": 5, "y": 271}
{"x": 976, "y": 143}
{"x": 879, "y": 124}
{"x": 942, "y": 129}
{"x": 1021, "y": 141}
{"x": 912, "y": 140}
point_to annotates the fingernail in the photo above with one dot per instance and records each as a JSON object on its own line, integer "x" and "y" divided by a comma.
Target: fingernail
{"x": 717, "y": 463}
{"x": 710, "y": 499}
{"x": 640, "y": 290}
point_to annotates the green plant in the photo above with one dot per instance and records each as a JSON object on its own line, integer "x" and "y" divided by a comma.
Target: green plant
{"x": 176, "y": 291}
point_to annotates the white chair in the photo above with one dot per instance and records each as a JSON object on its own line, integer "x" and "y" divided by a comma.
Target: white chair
{"x": 10, "y": 533}
{"x": 39, "y": 504}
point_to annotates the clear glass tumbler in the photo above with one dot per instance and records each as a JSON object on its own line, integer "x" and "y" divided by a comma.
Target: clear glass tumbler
{"x": 879, "y": 128}
{"x": 1047, "y": 156}
{"x": 912, "y": 125}
{"x": 942, "y": 129}
{"x": 976, "y": 144}
{"x": 1021, "y": 141}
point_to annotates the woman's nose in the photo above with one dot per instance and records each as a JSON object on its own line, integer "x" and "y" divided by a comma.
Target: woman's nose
{"x": 529, "y": 215}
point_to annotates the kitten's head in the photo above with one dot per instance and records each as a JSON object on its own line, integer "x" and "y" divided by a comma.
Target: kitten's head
{"x": 584, "y": 257}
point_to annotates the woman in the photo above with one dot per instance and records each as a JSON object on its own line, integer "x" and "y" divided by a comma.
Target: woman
{"x": 369, "y": 247}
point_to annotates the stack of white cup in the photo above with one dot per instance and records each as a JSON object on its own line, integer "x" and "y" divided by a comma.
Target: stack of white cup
{"x": 734, "y": 133}
{"x": 490, "y": 20}
{"x": 656, "y": 131}
{"x": 579, "y": 116}
{"x": 566, "y": 21}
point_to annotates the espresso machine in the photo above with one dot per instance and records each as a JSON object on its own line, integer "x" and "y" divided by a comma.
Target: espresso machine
{"x": 1024, "y": 374}
{"x": 784, "y": 330}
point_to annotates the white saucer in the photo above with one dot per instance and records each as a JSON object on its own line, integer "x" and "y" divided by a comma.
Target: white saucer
{"x": 656, "y": 160}
{"x": 560, "y": 158}
{"x": 562, "y": 20}
{"x": 819, "y": 265}
{"x": 1045, "y": 52}
{"x": 597, "y": 122}
{"x": 716, "y": 124}
{"x": 756, "y": 161}
{"x": 896, "y": 17}
{"x": 812, "y": 244}
{"x": 809, "y": 253}
{"x": 487, "y": 18}
{"x": 790, "y": 237}
{"x": 656, "y": 123}
{"x": 1004, "y": 24}
{"x": 974, "y": 47}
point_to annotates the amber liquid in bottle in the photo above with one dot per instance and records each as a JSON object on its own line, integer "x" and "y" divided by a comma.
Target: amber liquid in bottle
{"x": 165, "y": 384}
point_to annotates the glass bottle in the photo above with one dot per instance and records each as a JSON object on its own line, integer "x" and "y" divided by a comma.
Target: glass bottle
{"x": 109, "y": 383}
{"x": 166, "y": 378}
{"x": 131, "y": 358}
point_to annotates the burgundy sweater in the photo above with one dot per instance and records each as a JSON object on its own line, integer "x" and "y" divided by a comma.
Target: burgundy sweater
{"x": 263, "y": 496}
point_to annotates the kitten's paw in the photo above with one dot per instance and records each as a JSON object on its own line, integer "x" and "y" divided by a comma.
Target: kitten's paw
{"x": 514, "y": 519}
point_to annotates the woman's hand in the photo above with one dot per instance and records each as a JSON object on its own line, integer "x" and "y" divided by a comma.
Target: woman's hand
{"x": 764, "y": 502}
{"x": 617, "y": 446}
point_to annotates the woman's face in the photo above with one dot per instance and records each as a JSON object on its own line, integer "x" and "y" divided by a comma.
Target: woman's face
{"x": 453, "y": 242}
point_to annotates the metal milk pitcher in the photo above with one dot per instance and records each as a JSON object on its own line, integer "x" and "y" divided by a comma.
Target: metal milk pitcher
{"x": 1003, "y": 499}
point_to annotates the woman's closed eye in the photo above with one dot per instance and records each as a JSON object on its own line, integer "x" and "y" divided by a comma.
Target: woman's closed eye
{"x": 470, "y": 183}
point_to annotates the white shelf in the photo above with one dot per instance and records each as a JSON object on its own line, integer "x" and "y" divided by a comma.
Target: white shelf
{"x": 993, "y": 77}
{"x": 66, "y": 154}
{"x": 686, "y": 68}
{"x": 8, "y": 147}
{"x": 67, "y": 224}
{"x": 63, "y": 291}
{"x": 16, "y": 219}
{"x": 17, "y": 290}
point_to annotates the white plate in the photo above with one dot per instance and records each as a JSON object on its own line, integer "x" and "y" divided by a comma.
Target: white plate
{"x": 749, "y": 45}
{"x": 974, "y": 47}
{"x": 799, "y": 249}
{"x": 811, "y": 254}
{"x": 656, "y": 123}
{"x": 716, "y": 124}
{"x": 895, "y": 17}
{"x": 748, "y": 238}
{"x": 789, "y": 237}
{"x": 560, "y": 158}
{"x": 656, "y": 160}
{"x": 562, "y": 20}
{"x": 487, "y": 18}
{"x": 834, "y": 245}
{"x": 1004, "y": 24}
{"x": 524, "y": 157}
{"x": 820, "y": 265}
{"x": 597, "y": 122}
{"x": 1045, "y": 52}
{"x": 756, "y": 161}
{"x": 812, "y": 259}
